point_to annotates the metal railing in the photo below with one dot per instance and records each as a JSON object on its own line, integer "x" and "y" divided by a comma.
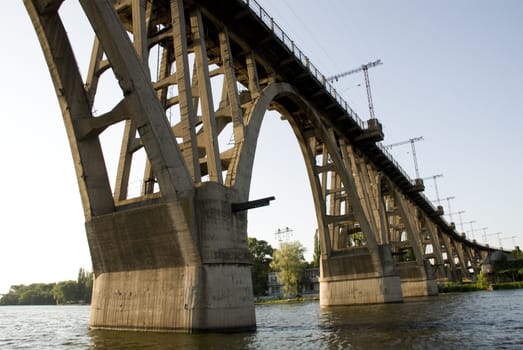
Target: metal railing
{"x": 278, "y": 32}
{"x": 304, "y": 60}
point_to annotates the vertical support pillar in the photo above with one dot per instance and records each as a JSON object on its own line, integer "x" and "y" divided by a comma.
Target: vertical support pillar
{"x": 469, "y": 261}
{"x": 187, "y": 108}
{"x": 365, "y": 189}
{"x": 454, "y": 274}
{"x": 416, "y": 278}
{"x": 441, "y": 273}
{"x": 356, "y": 275}
{"x": 230, "y": 86}
{"x": 205, "y": 92}
{"x": 254, "y": 83}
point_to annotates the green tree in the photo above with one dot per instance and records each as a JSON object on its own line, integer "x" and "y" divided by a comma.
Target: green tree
{"x": 482, "y": 282}
{"x": 9, "y": 299}
{"x": 37, "y": 294}
{"x": 33, "y": 294}
{"x": 66, "y": 292}
{"x": 518, "y": 253}
{"x": 261, "y": 257}
{"x": 508, "y": 268}
{"x": 289, "y": 264}
{"x": 85, "y": 285}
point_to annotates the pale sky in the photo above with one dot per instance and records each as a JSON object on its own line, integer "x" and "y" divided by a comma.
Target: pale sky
{"x": 452, "y": 74}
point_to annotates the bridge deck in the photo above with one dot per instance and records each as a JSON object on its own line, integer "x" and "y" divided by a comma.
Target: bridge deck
{"x": 275, "y": 48}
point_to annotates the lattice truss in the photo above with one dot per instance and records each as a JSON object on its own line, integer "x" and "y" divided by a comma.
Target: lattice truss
{"x": 174, "y": 89}
{"x": 344, "y": 189}
{"x": 189, "y": 65}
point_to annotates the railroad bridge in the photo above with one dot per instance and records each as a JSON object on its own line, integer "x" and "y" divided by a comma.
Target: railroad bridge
{"x": 174, "y": 257}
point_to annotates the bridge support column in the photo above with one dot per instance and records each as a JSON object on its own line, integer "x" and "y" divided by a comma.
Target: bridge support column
{"x": 352, "y": 278}
{"x": 416, "y": 280}
{"x": 155, "y": 272}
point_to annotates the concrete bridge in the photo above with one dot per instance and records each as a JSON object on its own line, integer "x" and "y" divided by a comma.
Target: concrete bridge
{"x": 175, "y": 257}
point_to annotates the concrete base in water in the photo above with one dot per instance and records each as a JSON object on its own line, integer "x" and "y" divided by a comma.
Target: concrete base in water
{"x": 155, "y": 269}
{"x": 184, "y": 299}
{"x": 377, "y": 290}
{"x": 415, "y": 282}
{"x": 359, "y": 276}
{"x": 420, "y": 288}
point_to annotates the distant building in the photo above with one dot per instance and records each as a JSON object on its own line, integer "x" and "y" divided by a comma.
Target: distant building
{"x": 275, "y": 289}
{"x": 310, "y": 285}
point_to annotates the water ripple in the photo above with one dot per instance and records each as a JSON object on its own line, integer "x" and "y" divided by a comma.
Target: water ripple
{"x": 466, "y": 321}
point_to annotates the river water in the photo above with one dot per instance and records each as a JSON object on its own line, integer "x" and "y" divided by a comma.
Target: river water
{"x": 479, "y": 320}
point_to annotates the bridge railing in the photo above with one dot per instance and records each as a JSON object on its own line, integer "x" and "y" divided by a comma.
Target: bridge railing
{"x": 304, "y": 60}
{"x": 395, "y": 162}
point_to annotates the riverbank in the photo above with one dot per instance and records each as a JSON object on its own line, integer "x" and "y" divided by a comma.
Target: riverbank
{"x": 452, "y": 287}
{"x": 263, "y": 301}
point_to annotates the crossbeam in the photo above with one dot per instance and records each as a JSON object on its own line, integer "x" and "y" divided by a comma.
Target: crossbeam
{"x": 263, "y": 202}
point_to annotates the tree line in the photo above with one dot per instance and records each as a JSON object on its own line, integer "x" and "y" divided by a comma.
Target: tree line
{"x": 508, "y": 270}
{"x": 60, "y": 293}
{"x": 287, "y": 261}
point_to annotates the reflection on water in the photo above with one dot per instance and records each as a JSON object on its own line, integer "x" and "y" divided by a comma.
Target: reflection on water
{"x": 487, "y": 320}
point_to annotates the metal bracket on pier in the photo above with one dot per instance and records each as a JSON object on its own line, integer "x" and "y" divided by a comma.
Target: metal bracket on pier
{"x": 251, "y": 204}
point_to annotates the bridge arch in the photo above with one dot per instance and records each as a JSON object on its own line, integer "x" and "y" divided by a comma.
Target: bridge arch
{"x": 311, "y": 133}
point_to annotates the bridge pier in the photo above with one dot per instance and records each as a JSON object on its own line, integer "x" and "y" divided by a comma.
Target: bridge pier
{"x": 354, "y": 277}
{"x": 155, "y": 272}
{"x": 415, "y": 281}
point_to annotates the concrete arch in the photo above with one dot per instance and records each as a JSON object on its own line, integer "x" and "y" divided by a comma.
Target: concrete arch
{"x": 243, "y": 163}
{"x": 242, "y": 173}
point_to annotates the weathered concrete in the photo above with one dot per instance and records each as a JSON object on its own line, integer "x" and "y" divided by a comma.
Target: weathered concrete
{"x": 415, "y": 281}
{"x": 353, "y": 278}
{"x": 153, "y": 274}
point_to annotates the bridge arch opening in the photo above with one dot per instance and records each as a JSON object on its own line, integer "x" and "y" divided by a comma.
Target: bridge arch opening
{"x": 279, "y": 170}
{"x": 340, "y": 229}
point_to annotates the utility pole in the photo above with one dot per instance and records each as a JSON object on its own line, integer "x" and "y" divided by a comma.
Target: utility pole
{"x": 471, "y": 228}
{"x": 498, "y": 234}
{"x": 460, "y": 219}
{"x": 513, "y": 240}
{"x": 434, "y": 177}
{"x": 448, "y": 203}
{"x": 411, "y": 141}
{"x": 283, "y": 235}
{"x": 484, "y": 229}
{"x": 365, "y": 69}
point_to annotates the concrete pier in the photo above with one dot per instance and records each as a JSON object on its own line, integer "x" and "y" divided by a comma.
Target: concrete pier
{"x": 415, "y": 282}
{"x": 353, "y": 277}
{"x": 153, "y": 272}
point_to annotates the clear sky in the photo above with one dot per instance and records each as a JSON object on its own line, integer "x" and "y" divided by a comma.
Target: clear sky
{"x": 452, "y": 73}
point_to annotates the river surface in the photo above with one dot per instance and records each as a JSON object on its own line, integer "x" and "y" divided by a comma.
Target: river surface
{"x": 479, "y": 320}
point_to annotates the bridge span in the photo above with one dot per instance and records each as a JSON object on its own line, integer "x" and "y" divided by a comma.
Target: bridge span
{"x": 175, "y": 256}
